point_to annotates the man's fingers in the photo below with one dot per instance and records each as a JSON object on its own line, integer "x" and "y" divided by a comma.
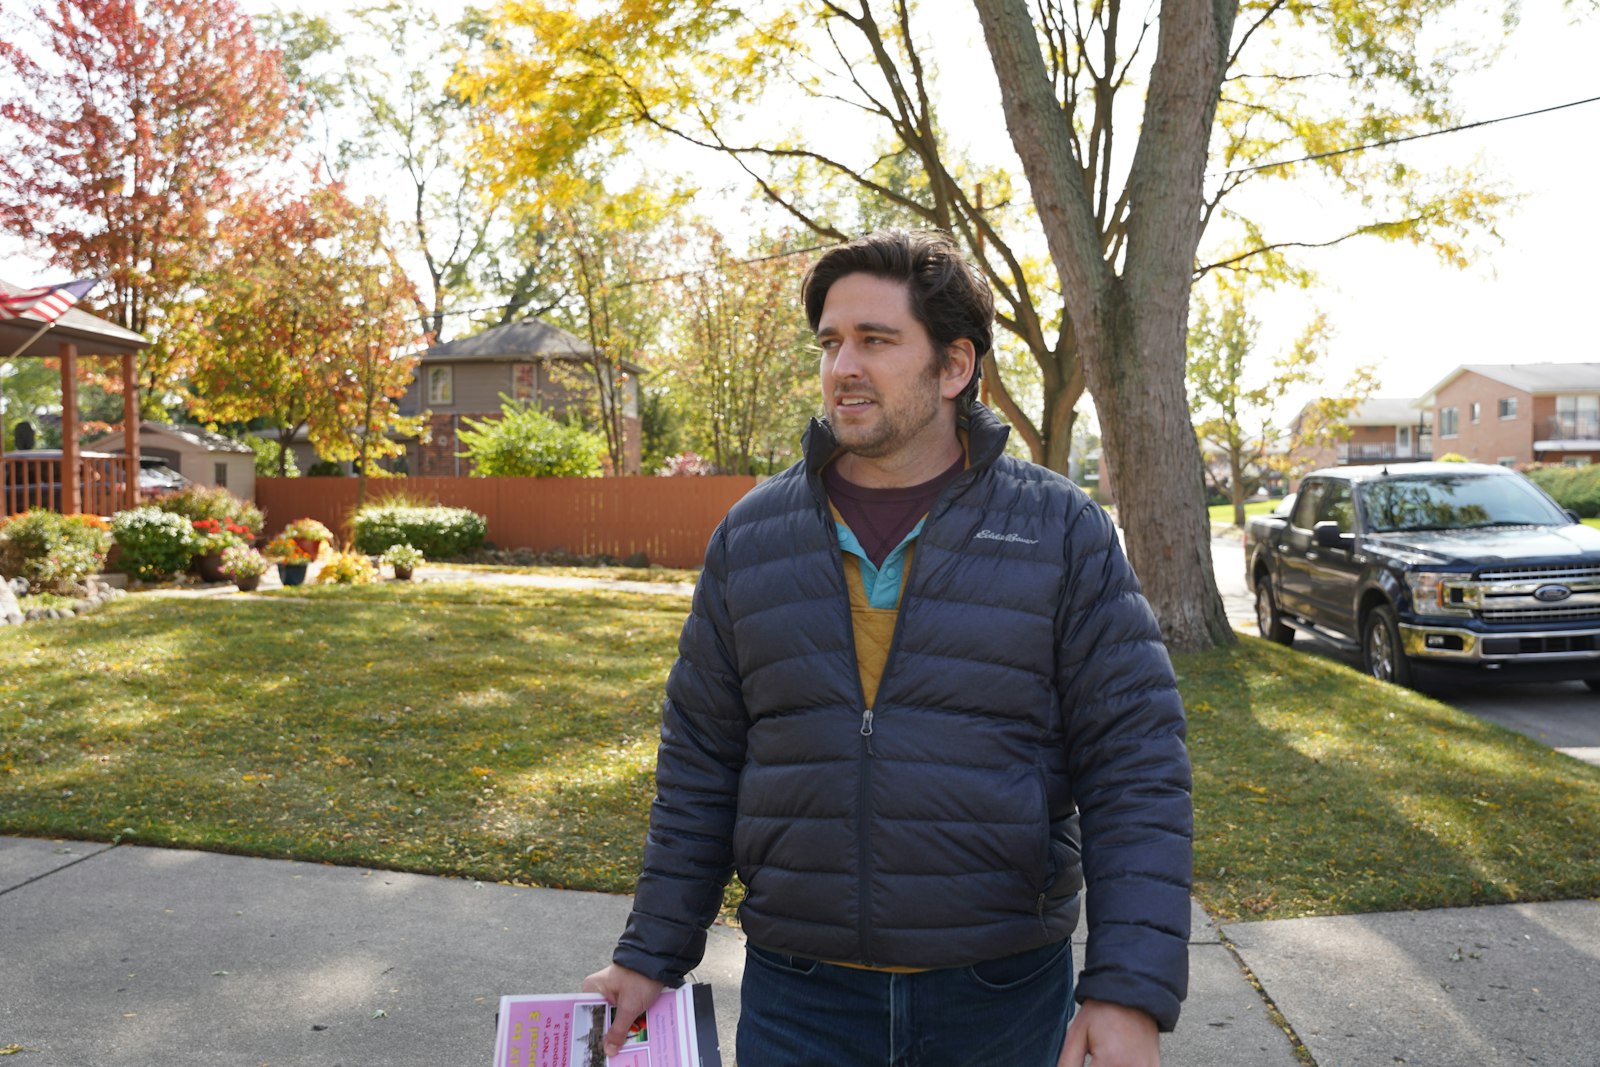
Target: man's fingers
{"x": 626, "y": 1014}
{"x": 1076, "y": 1046}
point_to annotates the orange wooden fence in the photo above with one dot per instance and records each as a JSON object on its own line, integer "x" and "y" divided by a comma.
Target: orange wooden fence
{"x": 668, "y": 519}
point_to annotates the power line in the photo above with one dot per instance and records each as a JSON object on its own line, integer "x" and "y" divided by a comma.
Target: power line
{"x": 1409, "y": 137}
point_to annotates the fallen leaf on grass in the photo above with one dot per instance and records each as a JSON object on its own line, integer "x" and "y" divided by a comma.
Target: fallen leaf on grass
{"x": 11, "y": 1050}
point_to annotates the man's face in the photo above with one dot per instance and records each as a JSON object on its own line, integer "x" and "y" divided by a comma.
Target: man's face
{"x": 881, "y": 384}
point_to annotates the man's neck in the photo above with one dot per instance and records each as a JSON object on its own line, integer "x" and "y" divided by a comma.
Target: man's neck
{"x": 905, "y": 468}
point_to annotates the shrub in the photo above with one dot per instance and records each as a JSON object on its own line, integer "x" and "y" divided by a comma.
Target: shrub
{"x": 308, "y": 530}
{"x": 524, "y": 442}
{"x": 1574, "y": 488}
{"x": 326, "y": 468}
{"x": 1453, "y": 457}
{"x": 402, "y": 556}
{"x": 348, "y": 568}
{"x": 687, "y": 464}
{"x": 285, "y": 550}
{"x": 219, "y": 535}
{"x": 439, "y": 532}
{"x": 52, "y": 553}
{"x": 155, "y": 543}
{"x": 242, "y": 561}
{"x": 195, "y": 502}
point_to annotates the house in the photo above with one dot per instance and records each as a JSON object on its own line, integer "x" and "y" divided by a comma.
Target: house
{"x": 1380, "y": 429}
{"x": 199, "y": 455}
{"x": 1514, "y": 414}
{"x": 529, "y": 361}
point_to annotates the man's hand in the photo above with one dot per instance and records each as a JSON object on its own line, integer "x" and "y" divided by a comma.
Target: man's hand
{"x": 1113, "y": 1036}
{"x": 629, "y": 992}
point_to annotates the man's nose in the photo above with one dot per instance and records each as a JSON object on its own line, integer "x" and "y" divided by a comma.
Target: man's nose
{"x": 847, "y": 360}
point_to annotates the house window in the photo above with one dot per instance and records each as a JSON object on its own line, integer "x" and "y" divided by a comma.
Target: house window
{"x": 1578, "y": 418}
{"x": 1575, "y": 461}
{"x": 1508, "y": 407}
{"x": 1474, "y": 411}
{"x": 1449, "y": 422}
{"x": 441, "y": 385}
{"x": 219, "y": 473}
{"x": 524, "y": 382}
{"x": 1507, "y": 461}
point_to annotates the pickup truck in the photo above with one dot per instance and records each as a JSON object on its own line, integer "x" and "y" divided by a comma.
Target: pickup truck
{"x": 1426, "y": 566}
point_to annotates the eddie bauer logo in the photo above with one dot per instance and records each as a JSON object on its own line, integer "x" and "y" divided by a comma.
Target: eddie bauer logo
{"x": 990, "y": 535}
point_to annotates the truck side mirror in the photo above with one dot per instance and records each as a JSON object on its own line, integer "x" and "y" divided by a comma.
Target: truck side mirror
{"x": 1327, "y": 535}
{"x": 1573, "y": 515}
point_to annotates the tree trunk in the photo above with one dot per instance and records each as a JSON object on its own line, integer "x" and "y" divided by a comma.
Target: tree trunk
{"x": 1131, "y": 329}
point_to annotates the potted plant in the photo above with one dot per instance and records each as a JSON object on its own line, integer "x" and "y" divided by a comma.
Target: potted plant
{"x": 291, "y": 559}
{"x": 309, "y": 534}
{"x": 403, "y": 558}
{"x": 213, "y": 537}
{"x": 244, "y": 565}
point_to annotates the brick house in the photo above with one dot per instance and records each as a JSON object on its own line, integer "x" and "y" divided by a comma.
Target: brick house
{"x": 1513, "y": 414}
{"x": 527, "y": 361}
{"x": 1383, "y": 428}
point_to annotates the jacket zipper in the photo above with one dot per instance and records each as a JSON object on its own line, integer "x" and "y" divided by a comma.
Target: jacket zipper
{"x": 864, "y": 925}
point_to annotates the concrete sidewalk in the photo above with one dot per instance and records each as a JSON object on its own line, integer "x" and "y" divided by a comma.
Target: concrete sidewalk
{"x": 138, "y": 957}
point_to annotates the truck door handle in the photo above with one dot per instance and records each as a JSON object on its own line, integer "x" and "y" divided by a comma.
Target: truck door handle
{"x": 1283, "y": 547}
{"x": 1313, "y": 554}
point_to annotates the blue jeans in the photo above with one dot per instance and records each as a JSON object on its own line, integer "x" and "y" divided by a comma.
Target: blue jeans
{"x": 1009, "y": 1012}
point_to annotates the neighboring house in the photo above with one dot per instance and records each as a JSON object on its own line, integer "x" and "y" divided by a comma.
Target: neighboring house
{"x": 1381, "y": 429}
{"x": 199, "y": 455}
{"x": 528, "y": 361}
{"x": 1513, "y": 414}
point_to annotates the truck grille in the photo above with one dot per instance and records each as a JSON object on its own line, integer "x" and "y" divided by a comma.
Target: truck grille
{"x": 1507, "y": 594}
{"x": 1573, "y": 614}
{"x": 1553, "y": 572}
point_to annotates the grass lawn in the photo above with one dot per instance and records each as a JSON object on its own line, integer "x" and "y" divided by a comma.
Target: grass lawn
{"x": 1223, "y": 513}
{"x": 509, "y": 733}
{"x": 652, "y": 573}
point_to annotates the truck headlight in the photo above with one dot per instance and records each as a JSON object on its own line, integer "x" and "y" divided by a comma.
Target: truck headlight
{"x": 1439, "y": 593}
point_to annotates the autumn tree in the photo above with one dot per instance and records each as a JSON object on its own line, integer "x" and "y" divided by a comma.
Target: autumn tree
{"x": 1236, "y": 396}
{"x": 743, "y": 366}
{"x": 375, "y": 361}
{"x": 131, "y": 125}
{"x": 301, "y": 322}
{"x": 385, "y": 84}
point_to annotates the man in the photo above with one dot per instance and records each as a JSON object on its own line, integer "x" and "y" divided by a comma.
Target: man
{"x": 913, "y": 665}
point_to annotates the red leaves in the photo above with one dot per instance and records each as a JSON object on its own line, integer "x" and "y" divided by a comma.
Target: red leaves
{"x": 130, "y": 125}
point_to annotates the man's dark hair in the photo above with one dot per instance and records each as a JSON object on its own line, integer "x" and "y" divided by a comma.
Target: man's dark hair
{"x": 948, "y": 296}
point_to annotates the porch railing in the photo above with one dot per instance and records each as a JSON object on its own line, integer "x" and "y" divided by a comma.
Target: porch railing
{"x": 28, "y": 482}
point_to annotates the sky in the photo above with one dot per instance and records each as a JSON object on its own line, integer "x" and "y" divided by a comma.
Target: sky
{"x": 1528, "y": 298}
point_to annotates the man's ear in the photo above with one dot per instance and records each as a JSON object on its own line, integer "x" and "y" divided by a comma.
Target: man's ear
{"x": 963, "y": 360}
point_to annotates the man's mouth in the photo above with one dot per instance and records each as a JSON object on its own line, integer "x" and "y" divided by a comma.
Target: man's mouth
{"x": 852, "y": 401}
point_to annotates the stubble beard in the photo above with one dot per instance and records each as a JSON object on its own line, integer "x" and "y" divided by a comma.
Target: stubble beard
{"x": 893, "y": 430}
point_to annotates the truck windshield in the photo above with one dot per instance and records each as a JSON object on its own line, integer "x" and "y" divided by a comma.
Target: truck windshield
{"x": 1452, "y": 502}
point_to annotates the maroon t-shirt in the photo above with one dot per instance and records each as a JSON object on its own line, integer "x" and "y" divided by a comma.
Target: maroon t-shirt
{"x": 881, "y": 518}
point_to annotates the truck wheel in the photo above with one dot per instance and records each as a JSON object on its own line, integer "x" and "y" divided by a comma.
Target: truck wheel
{"x": 1268, "y": 620}
{"x": 1381, "y": 653}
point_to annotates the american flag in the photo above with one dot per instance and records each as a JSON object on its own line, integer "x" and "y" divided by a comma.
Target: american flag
{"x": 46, "y": 303}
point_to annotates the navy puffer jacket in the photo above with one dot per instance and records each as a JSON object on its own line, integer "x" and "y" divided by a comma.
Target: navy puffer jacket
{"x": 1027, "y": 688}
